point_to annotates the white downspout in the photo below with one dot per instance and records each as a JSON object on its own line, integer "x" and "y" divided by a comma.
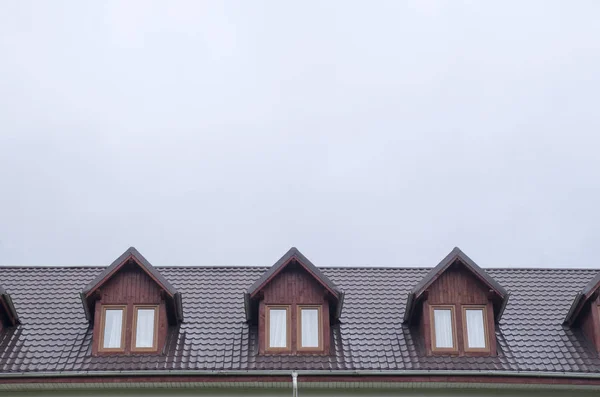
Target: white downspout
{"x": 294, "y": 384}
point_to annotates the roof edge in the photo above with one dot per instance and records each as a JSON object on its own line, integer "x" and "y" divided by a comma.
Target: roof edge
{"x": 114, "y": 267}
{"x": 455, "y": 254}
{"x": 291, "y": 254}
{"x": 331, "y": 267}
{"x": 466, "y": 373}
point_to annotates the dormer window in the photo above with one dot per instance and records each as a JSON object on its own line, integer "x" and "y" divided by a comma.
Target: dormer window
{"x": 113, "y": 332}
{"x": 443, "y": 329}
{"x": 278, "y": 328}
{"x": 145, "y": 324}
{"x": 311, "y": 329}
{"x": 293, "y": 305}
{"x": 476, "y": 335}
{"x": 131, "y": 305}
{"x": 453, "y": 306}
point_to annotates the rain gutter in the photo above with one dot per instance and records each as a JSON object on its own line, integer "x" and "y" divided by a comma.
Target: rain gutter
{"x": 536, "y": 374}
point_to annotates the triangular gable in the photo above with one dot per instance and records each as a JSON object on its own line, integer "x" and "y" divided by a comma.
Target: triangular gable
{"x": 582, "y": 298}
{"x": 132, "y": 255}
{"x": 9, "y": 308}
{"x": 293, "y": 255}
{"x": 455, "y": 255}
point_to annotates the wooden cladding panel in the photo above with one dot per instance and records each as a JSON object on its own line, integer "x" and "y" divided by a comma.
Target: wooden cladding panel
{"x": 590, "y": 323}
{"x": 293, "y": 287}
{"x": 130, "y": 286}
{"x": 459, "y": 287}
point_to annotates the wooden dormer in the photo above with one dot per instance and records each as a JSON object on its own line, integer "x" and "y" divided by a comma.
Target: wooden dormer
{"x": 456, "y": 308}
{"x": 8, "y": 313}
{"x": 585, "y": 312}
{"x": 294, "y": 305}
{"x": 130, "y": 305}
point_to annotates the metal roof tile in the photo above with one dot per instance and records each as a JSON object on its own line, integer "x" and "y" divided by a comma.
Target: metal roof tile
{"x": 55, "y": 336}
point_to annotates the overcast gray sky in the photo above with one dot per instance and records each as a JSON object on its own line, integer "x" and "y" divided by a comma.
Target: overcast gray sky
{"x": 364, "y": 133}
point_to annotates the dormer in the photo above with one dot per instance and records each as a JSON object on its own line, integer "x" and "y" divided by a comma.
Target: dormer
{"x": 585, "y": 311}
{"x": 130, "y": 305}
{"x": 8, "y": 313}
{"x": 456, "y": 308}
{"x": 294, "y": 305}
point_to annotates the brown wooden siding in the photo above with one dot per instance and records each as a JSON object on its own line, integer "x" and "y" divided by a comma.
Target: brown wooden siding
{"x": 130, "y": 286}
{"x": 458, "y": 287}
{"x": 293, "y": 286}
{"x": 589, "y": 321}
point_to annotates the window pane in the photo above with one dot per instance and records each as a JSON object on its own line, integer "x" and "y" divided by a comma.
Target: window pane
{"x": 443, "y": 328}
{"x": 277, "y": 328}
{"x": 144, "y": 333}
{"x": 310, "y": 327}
{"x": 113, "y": 325}
{"x": 475, "y": 328}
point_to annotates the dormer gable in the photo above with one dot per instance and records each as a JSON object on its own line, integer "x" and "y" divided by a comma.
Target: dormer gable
{"x": 294, "y": 304}
{"x": 584, "y": 312}
{"x": 131, "y": 305}
{"x": 456, "y": 307}
{"x": 8, "y": 313}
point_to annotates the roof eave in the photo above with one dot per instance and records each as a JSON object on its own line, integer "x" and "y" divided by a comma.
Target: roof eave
{"x": 11, "y": 308}
{"x": 115, "y": 266}
{"x": 409, "y": 308}
{"x": 340, "y": 304}
{"x": 86, "y": 308}
{"x": 574, "y": 309}
{"x": 502, "y": 308}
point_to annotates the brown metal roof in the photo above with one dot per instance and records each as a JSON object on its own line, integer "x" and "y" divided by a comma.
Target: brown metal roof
{"x": 55, "y": 335}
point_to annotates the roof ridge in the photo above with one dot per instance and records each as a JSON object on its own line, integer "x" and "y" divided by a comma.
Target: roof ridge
{"x": 336, "y": 267}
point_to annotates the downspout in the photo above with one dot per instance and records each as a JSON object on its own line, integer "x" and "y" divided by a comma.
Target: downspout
{"x": 294, "y": 384}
